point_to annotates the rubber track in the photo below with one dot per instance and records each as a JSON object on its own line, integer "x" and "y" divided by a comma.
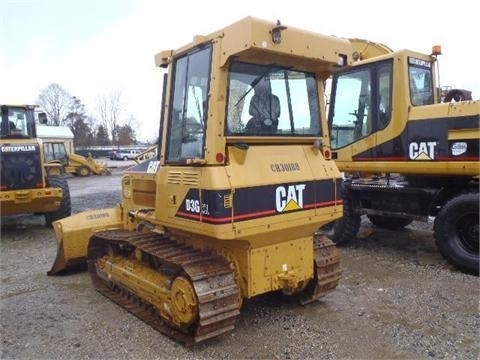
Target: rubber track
{"x": 210, "y": 274}
{"x": 328, "y": 269}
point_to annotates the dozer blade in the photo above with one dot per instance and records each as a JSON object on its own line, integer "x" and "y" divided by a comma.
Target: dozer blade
{"x": 73, "y": 234}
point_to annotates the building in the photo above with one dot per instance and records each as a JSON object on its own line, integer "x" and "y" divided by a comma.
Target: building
{"x": 57, "y": 134}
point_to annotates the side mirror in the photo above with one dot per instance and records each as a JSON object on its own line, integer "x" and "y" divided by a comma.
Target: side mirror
{"x": 42, "y": 118}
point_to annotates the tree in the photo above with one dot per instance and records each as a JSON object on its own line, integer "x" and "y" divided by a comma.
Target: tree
{"x": 76, "y": 111}
{"x": 76, "y": 120}
{"x": 55, "y": 101}
{"x": 102, "y": 136}
{"x": 82, "y": 133}
{"x": 126, "y": 135}
{"x": 110, "y": 108}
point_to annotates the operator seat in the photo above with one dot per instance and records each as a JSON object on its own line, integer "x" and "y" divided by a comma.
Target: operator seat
{"x": 265, "y": 111}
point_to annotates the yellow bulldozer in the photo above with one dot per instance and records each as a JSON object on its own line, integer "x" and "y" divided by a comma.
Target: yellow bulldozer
{"x": 408, "y": 149}
{"x": 59, "y": 161}
{"x": 26, "y": 185}
{"x": 230, "y": 206}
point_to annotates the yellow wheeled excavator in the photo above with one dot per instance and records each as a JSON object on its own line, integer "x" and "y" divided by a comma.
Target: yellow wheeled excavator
{"x": 408, "y": 152}
{"x": 243, "y": 177}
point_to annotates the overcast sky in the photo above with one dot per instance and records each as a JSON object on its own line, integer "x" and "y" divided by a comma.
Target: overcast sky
{"x": 93, "y": 47}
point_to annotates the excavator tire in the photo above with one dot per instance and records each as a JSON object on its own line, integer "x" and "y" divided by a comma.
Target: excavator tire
{"x": 65, "y": 208}
{"x": 185, "y": 293}
{"x": 343, "y": 230}
{"x": 388, "y": 222}
{"x": 456, "y": 232}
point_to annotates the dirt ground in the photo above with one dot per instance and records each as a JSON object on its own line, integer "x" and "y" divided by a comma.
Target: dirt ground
{"x": 398, "y": 299}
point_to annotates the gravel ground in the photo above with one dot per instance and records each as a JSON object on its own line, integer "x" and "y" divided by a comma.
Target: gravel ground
{"x": 398, "y": 299}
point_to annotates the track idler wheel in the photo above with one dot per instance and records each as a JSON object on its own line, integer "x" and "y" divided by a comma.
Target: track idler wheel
{"x": 184, "y": 301}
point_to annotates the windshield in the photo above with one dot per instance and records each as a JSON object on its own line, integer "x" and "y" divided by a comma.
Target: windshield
{"x": 421, "y": 81}
{"x": 15, "y": 122}
{"x": 271, "y": 101}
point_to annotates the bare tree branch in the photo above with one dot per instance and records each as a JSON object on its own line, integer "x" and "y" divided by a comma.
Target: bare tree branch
{"x": 110, "y": 108}
{"x": 55, "y": 101}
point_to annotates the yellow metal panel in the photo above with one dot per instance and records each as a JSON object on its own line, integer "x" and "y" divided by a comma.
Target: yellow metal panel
{"x": 253, "y": 36}
{"x": 292, "y": 259}
{"x": 143, "y": 192}
{"x": 30, "y": 201}
{"x": 463, "y": 134}
{"x": 412, "y": 167}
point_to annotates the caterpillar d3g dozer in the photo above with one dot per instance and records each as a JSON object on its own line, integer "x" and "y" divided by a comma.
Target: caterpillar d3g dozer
{"x": 229, "y": 208}
{"x": 25, "y": 185}
{"x": 407, "y": 152}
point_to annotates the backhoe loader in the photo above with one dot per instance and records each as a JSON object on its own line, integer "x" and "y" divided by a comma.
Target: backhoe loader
{"x": 405, "y": 154}
{"x": 59, "y": 161}
{"x": 229, "y": 207}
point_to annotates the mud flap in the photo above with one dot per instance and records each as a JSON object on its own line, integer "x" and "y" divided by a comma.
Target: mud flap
{"x": 73, "y": 234}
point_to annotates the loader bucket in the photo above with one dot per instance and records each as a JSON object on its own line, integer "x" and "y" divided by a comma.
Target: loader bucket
{"x": 74, "y": 232}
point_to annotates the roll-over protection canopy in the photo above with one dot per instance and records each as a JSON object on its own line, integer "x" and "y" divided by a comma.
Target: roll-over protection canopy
{"x": 252, "y": 38}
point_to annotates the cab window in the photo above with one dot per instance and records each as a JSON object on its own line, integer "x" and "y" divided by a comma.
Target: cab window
{"x": 351, "y": 108}
{"x": 360, "y": 103}
{"x": 421, "y": 82}
{"x": 186, "y": 128}
{"x": 16, "y": 123}
{"x": 271, "y": 101}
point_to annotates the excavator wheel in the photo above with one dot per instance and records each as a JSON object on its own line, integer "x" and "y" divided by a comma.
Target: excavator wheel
{"x": 65, "y": 208}
{"x": 83, "y": 171}
{"x": 343, "y": 230}
{"x": 388, "y": 222}
{"x": 456, "y": 232}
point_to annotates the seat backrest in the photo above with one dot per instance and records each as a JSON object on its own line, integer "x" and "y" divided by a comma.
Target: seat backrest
{"x": 264, "y": 106}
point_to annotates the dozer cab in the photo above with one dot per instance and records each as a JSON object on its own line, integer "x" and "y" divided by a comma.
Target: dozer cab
{"x": 25, "y": 185}
{"x": 407, "y": 152}
{"x": 59, "y": 161}
{"x": 229, "y": 208}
